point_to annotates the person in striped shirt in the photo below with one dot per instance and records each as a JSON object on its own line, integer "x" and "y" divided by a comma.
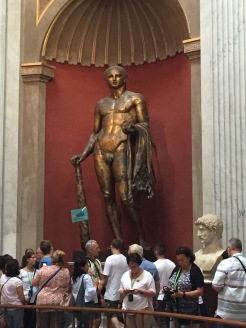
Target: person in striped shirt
{"x": 230, "y": 283}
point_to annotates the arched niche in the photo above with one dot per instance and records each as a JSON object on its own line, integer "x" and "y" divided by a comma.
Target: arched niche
{"x": 50, "y": 38}
{"x": 109, "y": 32}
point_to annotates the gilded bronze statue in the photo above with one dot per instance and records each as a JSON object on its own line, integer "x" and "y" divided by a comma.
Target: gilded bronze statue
{"x": 121, "y": 145}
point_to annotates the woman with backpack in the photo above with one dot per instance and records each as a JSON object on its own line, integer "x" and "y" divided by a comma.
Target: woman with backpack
{"x": 84, "y": 290}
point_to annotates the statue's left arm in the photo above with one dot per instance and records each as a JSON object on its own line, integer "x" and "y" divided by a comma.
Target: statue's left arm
{"x": 141, "y": 110}
{"x": 140, "y": 172}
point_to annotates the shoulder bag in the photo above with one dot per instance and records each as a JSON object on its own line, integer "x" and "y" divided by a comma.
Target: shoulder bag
{"x": 240, "y": 262}
{"x": 83, "y": 316}
{"x": 30, "y": 293}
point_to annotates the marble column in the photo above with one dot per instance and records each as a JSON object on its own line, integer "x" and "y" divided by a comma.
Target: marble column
{"x": 32, "y": 134}
{"x": 10, "y": 52}
{"x": 223, "y": 74}
{"x": 192, "y": 51}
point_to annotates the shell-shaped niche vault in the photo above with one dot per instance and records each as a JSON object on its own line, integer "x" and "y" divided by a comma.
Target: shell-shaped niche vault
{"x": 111, "y": 32}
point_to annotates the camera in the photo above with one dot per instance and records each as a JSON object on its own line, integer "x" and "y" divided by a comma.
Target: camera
{"x": 169, "y": 300}
{"x": 130, "y": 297}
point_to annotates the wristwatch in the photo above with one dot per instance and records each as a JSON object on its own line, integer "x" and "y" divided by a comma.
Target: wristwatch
{"x": 184, "y": 294}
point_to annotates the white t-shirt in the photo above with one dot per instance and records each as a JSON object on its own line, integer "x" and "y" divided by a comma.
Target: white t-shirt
{"x": 90, "y": 289}
{"x": 9, "y": 291}
{"x": 144, "y": 282}
{"x": 165, "y": 268}
{"x": 115, "y": 266}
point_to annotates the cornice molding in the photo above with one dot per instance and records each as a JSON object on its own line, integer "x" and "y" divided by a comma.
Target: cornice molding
{"x": 192, "y": 48}
{"x": 37, "y": 72}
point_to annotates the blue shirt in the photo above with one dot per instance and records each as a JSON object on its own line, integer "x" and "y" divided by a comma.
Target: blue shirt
{"x": 45, "y": 260}
{"x": 151, "y": 268}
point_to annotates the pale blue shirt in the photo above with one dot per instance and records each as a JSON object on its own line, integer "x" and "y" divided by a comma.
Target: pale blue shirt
{"x": 90, "y": 289}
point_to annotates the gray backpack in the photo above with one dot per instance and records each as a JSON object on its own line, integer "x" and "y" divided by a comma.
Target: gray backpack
{"x": 83, "y": 316}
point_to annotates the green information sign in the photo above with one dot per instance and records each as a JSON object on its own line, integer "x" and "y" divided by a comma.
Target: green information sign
{"x": 81, "y": 214}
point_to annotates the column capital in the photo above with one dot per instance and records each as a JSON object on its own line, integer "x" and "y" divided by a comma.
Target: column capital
{"x": 37, "y": 72}
{"x": 192, "y": 48}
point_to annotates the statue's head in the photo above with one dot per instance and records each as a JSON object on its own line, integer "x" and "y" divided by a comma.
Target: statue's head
{"x": 115, "y": 76}
{"x": 120, "y": 69}
{"x": 209, "y": 228}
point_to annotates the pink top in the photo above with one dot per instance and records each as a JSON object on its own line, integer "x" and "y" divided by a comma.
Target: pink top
{"x": 52, "y": 293}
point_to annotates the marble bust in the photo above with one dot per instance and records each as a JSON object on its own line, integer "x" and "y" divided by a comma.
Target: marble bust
{"x": 209, "y": 231}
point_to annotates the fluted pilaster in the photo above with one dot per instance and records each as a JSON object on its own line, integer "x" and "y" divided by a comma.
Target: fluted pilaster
{"x": 192, "y": 50}
{"x": 223, "y": 73}
{"x": 10, "y": 27}
{"x": 32, "y": 135}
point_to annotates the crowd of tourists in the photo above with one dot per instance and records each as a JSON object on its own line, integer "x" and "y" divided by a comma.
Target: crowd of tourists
{"x": 124, "y": 282}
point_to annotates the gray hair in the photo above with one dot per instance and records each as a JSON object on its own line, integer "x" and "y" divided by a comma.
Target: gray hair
{"x": 135, "y": 248}
{"x": 89, "y": 244}
{"x": 235, "y": 244}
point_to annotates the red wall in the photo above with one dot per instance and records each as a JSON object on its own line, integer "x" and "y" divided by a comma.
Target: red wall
{"x": 71, "y": 98}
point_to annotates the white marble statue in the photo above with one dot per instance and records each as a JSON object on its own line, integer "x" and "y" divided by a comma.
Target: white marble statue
{"x": 209, "y": 231}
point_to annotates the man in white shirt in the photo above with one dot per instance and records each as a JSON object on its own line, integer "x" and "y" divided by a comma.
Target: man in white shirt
{"x": 230, "y": 283}
{"x": 165, "y": 268}
{"x": 115, "y": 266}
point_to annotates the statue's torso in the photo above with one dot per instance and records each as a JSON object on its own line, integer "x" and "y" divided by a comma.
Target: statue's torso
{"x": 115, "y": 114}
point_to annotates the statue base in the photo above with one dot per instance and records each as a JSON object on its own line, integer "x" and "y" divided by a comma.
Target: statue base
{"x": 210, "y": 301}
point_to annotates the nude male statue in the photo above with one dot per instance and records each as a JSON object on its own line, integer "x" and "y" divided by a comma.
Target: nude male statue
{"x": 209, "y": 231}
{"x": 121, "y": 145}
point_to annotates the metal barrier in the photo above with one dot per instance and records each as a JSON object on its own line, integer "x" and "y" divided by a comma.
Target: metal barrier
{"x": 142, "y": 313}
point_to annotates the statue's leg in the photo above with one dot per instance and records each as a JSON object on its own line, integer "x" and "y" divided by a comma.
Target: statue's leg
{"x": 120, "y": 175}
{"x": 107, "y": 186}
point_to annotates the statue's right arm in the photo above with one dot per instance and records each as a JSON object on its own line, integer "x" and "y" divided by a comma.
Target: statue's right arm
{"x": 76, "y": 159}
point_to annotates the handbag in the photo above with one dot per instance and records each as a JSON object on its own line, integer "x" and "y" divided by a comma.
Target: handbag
{"x": 83, "y": 316}
{"x": 30, "y": 292}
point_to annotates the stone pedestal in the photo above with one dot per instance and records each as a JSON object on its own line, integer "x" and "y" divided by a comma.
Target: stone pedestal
{"x": 210, "y": 299}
